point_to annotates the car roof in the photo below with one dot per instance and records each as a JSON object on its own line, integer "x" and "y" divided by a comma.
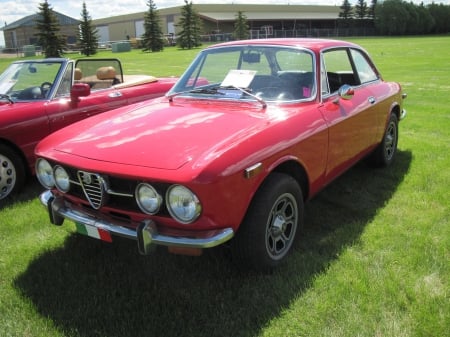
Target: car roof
{"x": 309, "y": 43}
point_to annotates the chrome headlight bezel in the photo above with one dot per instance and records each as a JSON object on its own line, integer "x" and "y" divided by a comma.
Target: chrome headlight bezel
{"x": 182, "y": 204}
{"x": 148, "y": 199}
{"x": 44, "y": 173}
{"x": 61, "y": 178}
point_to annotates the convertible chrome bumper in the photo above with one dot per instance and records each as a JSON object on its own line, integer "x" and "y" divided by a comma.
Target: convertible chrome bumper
{"x": 146, "y": 233}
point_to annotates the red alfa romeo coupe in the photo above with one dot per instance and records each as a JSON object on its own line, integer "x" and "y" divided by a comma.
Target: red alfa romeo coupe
{"x": 251, "y": 131}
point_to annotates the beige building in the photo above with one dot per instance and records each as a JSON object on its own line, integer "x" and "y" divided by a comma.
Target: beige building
{"x": 217, "y": 23}
{"x": 23, "y": 32}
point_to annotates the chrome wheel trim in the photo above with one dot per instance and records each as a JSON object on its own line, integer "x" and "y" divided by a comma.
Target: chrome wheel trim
{"x": 8, "y": 176}
{"x": 281, "y": 226}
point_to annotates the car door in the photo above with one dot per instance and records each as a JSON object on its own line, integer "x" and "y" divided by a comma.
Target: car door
{"x": 351, "y": 120}
{"x": 63, "y": 111}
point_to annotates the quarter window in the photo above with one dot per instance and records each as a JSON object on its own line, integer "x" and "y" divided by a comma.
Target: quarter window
{"x": 365, "y": 72}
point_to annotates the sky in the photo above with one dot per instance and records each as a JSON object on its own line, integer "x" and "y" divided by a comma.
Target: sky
{"x": 13, "y": 10}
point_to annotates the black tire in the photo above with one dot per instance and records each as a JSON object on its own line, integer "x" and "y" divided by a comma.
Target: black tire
{"x": 273, "y": 219}
{"x": 12, "y": 172}
{"x": 385, "y": 152}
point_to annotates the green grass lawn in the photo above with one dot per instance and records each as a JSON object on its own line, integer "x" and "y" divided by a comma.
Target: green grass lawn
{"x": 373, "y": 261}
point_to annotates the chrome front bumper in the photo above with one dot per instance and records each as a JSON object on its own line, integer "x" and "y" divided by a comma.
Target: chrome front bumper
{"x": 146, "y": 233}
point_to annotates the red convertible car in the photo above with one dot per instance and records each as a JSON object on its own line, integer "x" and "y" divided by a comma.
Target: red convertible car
{"x": 38, "y": 97}
{"x": 251, "y": 131}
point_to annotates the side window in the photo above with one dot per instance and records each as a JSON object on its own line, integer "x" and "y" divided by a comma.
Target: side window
{"x": 338, "y": 68}
{"x": 295, "y": 69}
{"x": 66, "y": 82}
{"x": 365, "y": 72}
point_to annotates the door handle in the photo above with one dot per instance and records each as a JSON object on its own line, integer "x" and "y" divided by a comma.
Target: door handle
{"x": 371, "y": 100}
{"x": 115, "y": 94}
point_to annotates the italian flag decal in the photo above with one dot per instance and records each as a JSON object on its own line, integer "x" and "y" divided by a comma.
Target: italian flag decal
{"x": 93, "y": 232}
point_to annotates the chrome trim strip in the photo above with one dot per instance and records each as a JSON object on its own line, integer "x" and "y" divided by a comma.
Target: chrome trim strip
{"x": 146, "y": 234}
{"x": 402, "y": 114}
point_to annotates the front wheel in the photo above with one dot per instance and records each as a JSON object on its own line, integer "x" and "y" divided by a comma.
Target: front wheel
{"x": 12, "y": 172}
{"x": 273, "y": 219}
{"x": 384, "y": 153}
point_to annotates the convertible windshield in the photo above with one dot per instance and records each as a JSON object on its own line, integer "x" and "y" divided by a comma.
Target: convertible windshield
{"x": 24, "y": 81}
{"x": 269, "y": 73}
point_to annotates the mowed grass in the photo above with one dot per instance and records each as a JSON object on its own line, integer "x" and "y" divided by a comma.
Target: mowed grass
{"x": 373, "y": 260}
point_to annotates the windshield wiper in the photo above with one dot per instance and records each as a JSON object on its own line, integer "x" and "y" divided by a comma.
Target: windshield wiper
{"x": 7, "y": 97}
{"x": 217, "y": 91}
{"x": 247, "y": 92}
{"x": 207, "y": 91}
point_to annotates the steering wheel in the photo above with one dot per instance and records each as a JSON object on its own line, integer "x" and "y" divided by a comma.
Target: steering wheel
{"x": 45, "y": 88}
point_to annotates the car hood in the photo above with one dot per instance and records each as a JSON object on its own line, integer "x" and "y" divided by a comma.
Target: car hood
{"x": 161, "y": 135}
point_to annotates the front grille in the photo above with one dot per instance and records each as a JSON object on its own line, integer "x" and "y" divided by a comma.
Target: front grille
{"x": 114, "y": 192}
{"x": 94, "y": 187}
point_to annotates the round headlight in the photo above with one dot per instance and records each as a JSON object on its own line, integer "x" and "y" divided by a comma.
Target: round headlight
{"x": 61, "y": 176}
{"x": 44, "y": 173}
{"x": 148, "y": 199}
{"x": 182, "y": 204}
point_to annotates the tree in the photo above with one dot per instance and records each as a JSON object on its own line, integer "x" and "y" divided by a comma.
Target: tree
{"x": 440, "y": 14}
{"x": 361, "y": 10}
{"x": 391, "y": 17}
{"x": 190, "y": 24}
{"x": 345, "y": 14}
{"x": 48, "y": 29}
{"x": 152, "y": 39}
{"x": 241, "y": 27}
{"x": 371, "y": 11}
{"x": 87, "y": 35}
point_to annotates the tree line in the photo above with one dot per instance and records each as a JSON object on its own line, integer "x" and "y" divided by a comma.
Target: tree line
{"x": 396, "y": 17}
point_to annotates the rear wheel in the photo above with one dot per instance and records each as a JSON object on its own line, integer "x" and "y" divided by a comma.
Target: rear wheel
{"x": 384, "y": 154}
{"x": 12, "y": 172}
{"x": 268, "y": 231}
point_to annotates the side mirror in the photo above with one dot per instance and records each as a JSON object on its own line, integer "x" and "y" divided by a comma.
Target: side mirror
{"x": 79, "y": 90}
{"x": 346, "y": 92}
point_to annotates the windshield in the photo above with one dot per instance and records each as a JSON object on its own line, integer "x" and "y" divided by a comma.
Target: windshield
{"x": 29, "y": 80}
{"x": 270, "y": 73}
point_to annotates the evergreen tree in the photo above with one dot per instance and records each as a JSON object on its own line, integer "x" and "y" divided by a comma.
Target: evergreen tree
{"x": 346, "y": 14}
{"x": 361, "y": 10}
{"x": 190, "y": 24}
{"x": 153, "y": 37}
{"x": 440, "y": 14}
{"x": 48, "y": 29}
{"x": 241, "y": 27}
{"x": 391, "y": 17}
{"x": 371, "y": 11}
{"x": 87, "y": 35}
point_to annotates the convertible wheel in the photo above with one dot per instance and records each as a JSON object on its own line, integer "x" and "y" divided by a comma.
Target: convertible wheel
{"x": 384, "y": 154}
{"x": 268, "y": 231}
{"x": 12, "y": 172}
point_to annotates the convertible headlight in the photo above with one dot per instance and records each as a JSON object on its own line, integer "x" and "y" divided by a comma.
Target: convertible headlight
{"x": 148, "y": 199}
{"x": 61, "y": 177}
{"x": 182, "y": 204}
{"x": 44, "y": 173}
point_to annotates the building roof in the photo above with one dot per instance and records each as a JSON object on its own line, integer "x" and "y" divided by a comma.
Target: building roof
{"x": 221, "y": 16}
{"x": 228, "y": 12}
{"x": 30, "y": 20}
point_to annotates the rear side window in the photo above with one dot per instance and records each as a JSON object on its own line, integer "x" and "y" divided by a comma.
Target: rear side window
{"x": 365, "y": 71}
